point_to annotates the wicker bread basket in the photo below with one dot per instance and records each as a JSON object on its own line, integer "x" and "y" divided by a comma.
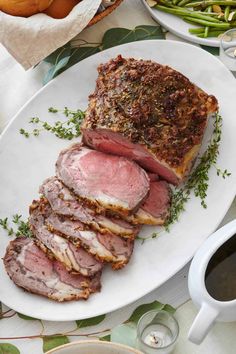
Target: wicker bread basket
{"x": 104, "y": 13}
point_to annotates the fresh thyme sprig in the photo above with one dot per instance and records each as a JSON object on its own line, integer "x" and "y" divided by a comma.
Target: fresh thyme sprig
{"x": 152, "y": 236}
{"x": 68, "y": 129}
{"x": 5, "y": 226}
{"x": 198, "y": 179}
{"x": 23, "y": 228}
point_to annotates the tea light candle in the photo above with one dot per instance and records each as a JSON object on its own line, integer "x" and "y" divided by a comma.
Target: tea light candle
{"x": 157, "y": 336}
{"x": 157, "y": 332}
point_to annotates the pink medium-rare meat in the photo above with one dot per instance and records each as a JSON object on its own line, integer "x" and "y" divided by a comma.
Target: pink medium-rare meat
{"x": 150, "y": 113}
{"x": 106, "y": 247}
{"x": 74, "y": 258}
{"x": 30, "y": 268}
{"x": 64, "y": 202}
{"x": 106, "y": 181}
{"x": 155, "y": 209}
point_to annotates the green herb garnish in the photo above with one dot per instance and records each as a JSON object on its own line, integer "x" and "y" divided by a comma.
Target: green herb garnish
{"x": 5, "y": 226}
{"x": 198, "y": 179}
{"x": 68, "y": 129}
{"x": 23, "y": 228}
{"x": 143, "y": 239}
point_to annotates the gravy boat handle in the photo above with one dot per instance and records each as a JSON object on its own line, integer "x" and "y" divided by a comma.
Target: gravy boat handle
{"x": 202, "y": 323}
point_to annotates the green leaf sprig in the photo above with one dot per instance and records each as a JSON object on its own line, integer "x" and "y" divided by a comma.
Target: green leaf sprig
{"x": 90, "y": 321}
{"x": 152, "y": 236}
{"x": 23, "y": 228}
{"x": 8, "y": 348}
{"x": 198, "y": 179}
{"x": 5, "y": 226}
{"x": 124, "y": 333}
{"x": 77, "y": 50}
{"x": 68, "y": 129}
{"x": 50, "y": 342}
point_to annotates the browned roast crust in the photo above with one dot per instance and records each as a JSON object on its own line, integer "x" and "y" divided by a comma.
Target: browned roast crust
{"x": 152, "y": 105}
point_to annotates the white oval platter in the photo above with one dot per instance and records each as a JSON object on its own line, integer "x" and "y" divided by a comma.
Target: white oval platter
{"x": 25, "y": 163}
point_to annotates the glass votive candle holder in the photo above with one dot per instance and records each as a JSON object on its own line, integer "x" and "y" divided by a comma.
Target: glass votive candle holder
{"x": 228, "y": 49}
{"x": 157, "y": 332}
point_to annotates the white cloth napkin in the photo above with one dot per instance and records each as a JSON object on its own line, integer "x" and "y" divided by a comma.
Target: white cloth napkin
{"x": 31, "y": 39}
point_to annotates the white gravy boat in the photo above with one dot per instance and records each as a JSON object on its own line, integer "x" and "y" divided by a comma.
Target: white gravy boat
{"x": 211, "y": 310}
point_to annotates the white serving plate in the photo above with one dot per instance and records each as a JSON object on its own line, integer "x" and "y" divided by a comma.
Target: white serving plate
{"x": 93, "y": 346}
{"x": 25, "y": 163}
{"x": 180, "y": 28}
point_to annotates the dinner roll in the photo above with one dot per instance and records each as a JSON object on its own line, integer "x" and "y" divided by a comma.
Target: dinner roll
{"x": 24, "y": 7}
{"x": 61, "y": 8}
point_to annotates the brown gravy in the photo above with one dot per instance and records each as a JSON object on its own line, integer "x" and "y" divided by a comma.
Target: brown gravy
{"x": 220, "y": 278}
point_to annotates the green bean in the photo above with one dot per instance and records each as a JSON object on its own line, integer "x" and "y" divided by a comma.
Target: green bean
{"x": 183, "y": 2}
{"x": 206, "y": 31}
{"x": 210, "y": 34}
{"x": 227, "y": 11}
{"x": 196, "y": 30}
{"x": 207, "y": 3}
{"x": 183, "y": 12}
{"x": 200, "y": 32}
{"x": 168, "y": 4}
{"x": 191, "y": 22}
{"x": 224, "y": 26}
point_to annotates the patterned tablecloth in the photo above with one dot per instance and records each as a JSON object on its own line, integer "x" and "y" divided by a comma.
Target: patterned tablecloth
{"x": 16, "y": 87}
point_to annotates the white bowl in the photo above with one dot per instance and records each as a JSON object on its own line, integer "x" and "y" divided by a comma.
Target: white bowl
{"x": 92, "y": 347}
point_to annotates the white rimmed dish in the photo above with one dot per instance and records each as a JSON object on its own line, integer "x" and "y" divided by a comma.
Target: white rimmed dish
{"x": 179, "y": 27}
{"x": 92, "y": 347}
{"x": 27, "y": 162}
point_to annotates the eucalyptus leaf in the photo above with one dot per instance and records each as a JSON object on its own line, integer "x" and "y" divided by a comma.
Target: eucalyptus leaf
{"x": 212, "y": 50}
{"x": 124, "y": 334}
{"x": 50, "y": 342}
{"x": 148, "y": 32}
{"x": 66, "y": 56}
{"x": 142, "y": 309}
{"x": 7, "y": 348}
{"x": 27, "y": 318}
{"x": 56, "y": 69}
{"x": 93, "y": 321}
{"x": 117, "y": 36}
{"x": 106, "y": 338}
{"x": 64, "y": 59}
{"x": 58, "y": 54}
{"x": 78, "y": 54}
{"x": 169, "y": 309}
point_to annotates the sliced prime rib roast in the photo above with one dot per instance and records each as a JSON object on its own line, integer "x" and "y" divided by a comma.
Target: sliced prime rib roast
{"x": 155, "y": 209}
{"x": 72, "y": 256}
{"x": 153, "y": 177}
{"x": 149, "y": 113}
{"x": 57, "y": 232}
{"x": 64, "y": 202}
{"x": 106, "y": 181}
{"x": 30, "y": 268}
